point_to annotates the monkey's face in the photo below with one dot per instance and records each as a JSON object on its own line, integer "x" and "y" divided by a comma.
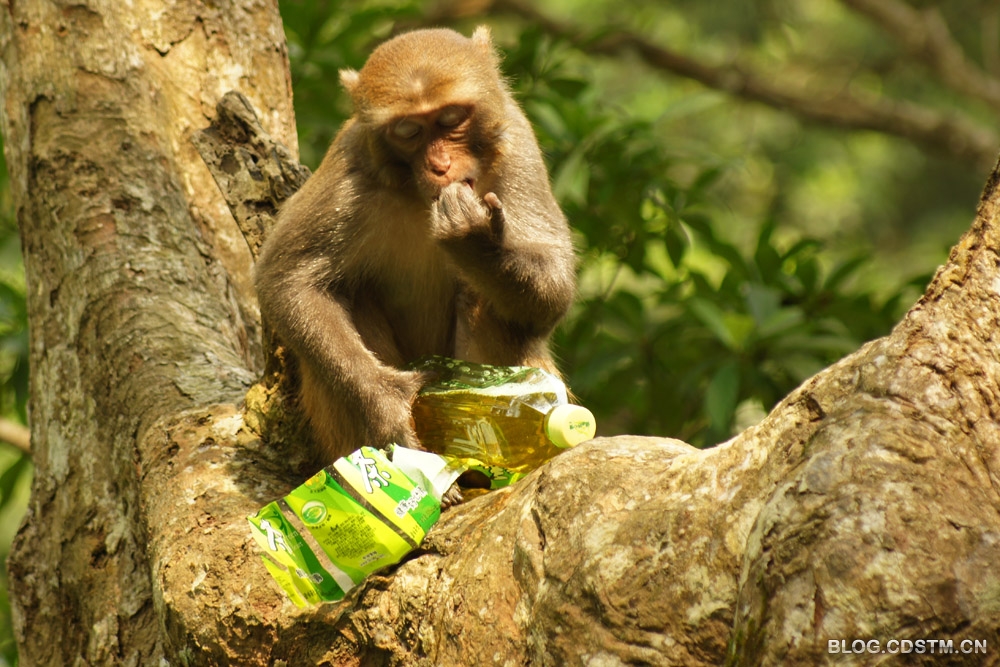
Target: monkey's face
{"x": 428, "y": 96}
{"x": 437, "y": 146}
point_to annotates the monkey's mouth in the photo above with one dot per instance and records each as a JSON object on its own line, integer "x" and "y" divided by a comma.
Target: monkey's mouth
{"x": 471, "y": 182}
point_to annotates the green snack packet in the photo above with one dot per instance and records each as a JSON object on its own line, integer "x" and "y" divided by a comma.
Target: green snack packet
{"x": 359, "y": 515}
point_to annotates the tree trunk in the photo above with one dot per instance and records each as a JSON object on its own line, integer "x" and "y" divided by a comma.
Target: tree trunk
{"x": 866, "y": 505}
{"x": 140, "y": 303}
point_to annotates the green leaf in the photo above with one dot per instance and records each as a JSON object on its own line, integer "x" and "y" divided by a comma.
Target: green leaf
{"x": 801, "y": 246}
{"x": 781, "y": 322}
{"x": 548, "y": 119}
{"x": 677, "y": 243}
{"x": 766, "y": 257}
{"x": 762, "y": 301}
{"x": 721, "y": 396}
{"x": 699, "y": 222}
{"x": 569, "y": 88}
{"x": 10, "y": 477}
{"x": 731, "y": 329}
{"x": 844, "y": 271}
{"x": 807, "y": 271}
{"x": 706, "y": 179}
{"x": 572, "y": 179}
{"x": 731, "y": 254}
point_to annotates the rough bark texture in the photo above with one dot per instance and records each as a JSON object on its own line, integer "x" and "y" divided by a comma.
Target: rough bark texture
{"x": 866, "y": 505}
{"x": 254, "y": 172}
{"x": 138, "y": 289}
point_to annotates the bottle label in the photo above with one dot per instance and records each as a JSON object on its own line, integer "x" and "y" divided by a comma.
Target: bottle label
{"x": 486, "y": 380}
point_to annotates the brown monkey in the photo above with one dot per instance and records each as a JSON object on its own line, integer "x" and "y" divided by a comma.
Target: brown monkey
{"x": 429, "y": 228}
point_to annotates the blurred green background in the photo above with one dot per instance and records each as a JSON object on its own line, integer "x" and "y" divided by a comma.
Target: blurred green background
{"x": 729, "y": 248}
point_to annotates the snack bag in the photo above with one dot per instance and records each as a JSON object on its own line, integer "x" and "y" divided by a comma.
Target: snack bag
{"x": 359, "y": 515}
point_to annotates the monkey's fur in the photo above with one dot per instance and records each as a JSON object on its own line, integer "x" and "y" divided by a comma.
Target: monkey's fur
{"x": 429, "y": 228}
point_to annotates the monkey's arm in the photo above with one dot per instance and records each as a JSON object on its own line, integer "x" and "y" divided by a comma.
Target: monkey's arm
{"x": 520, "y": 260}
{"x": 367, "y": 400}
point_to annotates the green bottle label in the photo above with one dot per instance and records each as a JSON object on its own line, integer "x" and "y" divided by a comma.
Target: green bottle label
{"x": 456, "y": 375}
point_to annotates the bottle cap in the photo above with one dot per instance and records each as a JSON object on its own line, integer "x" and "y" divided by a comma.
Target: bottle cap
{"x": 568, "y": 425}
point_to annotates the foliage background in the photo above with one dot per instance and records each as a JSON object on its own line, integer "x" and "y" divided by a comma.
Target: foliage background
{"x": 728, "y": 249}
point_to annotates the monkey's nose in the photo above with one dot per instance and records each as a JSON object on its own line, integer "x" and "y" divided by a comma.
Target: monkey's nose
{"x": 439, "y": 164}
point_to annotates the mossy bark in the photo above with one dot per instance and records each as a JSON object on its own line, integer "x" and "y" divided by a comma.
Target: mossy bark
{"x": 865, "y": 506}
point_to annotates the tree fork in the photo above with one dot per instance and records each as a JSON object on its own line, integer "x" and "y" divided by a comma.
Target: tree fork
{"x": 866, "y": 505}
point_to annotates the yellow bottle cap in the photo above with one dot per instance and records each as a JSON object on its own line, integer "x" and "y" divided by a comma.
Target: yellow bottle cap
{"x": 568, "y": 425}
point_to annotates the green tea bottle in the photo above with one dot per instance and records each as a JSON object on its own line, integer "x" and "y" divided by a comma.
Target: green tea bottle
{"x": 516, "y": 418}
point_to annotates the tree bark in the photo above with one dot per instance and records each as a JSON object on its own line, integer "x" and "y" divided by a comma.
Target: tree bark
{"x": 139, "y": 294}
{"x": 865, "y": 506}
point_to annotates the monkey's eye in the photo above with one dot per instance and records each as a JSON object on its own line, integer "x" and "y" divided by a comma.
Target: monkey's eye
{"x": 406, "y": 129}
{"x": 451, "y": 116}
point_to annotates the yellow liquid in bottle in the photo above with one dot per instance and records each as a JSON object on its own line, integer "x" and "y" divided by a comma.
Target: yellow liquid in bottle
{"x": 469, "y": 425}
{"x": 496, "y": 415}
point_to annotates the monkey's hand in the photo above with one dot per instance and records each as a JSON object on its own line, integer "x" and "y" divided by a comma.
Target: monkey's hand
{"x": 459, "y": 214}
{"x": 391, "y": 419}
{"x": 398, "y": 420}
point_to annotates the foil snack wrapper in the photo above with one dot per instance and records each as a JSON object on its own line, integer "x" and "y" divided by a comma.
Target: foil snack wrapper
{"x": 355, "y": 517}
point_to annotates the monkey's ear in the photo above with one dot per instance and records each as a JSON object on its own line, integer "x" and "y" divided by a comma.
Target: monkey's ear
{"x": 482, "y": 38}
{"x": 484, "y": 41}
{"x": 349, "y": 80}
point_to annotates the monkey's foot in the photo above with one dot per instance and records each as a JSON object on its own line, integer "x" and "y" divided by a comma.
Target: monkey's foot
{"x": 451, "y": 497}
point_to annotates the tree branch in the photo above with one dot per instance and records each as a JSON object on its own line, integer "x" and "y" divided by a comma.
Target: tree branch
{"x": 925, "y": 35}
{"x": 15, "y": 434}
{"x": 951, "y": 134}
{"x": 254, "y": 172}
{"x": 762, "y": 549}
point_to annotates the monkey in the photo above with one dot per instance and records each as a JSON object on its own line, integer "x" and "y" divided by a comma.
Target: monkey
{"x": 430, "y": 227}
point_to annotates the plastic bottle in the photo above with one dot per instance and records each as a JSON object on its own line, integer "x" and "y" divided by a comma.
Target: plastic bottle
{"x": 516, "y": 418}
